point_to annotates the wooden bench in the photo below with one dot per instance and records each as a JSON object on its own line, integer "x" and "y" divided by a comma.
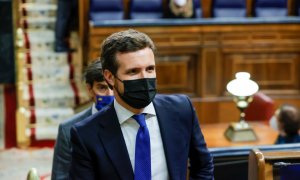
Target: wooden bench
{"x": 232, "y": 162}
{"x": 262, "y": 163}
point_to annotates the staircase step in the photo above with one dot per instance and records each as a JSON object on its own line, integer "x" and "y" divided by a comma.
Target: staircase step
{"x": 41, "y": 10}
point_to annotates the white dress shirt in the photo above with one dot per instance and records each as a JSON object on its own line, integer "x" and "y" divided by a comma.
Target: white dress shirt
{"x": 94, "y": 109}
{"x": 130, "y": 127}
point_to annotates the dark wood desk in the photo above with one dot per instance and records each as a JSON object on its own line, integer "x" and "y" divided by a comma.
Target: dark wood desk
{"x": 214, "y": 135}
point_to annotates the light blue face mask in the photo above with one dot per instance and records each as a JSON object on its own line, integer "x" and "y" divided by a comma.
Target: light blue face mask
{"x": 103, "y": 101}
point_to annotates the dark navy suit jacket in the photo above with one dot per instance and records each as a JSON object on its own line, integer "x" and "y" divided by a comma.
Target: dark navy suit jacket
{"x": 99, "y": 149}
{"x": 63, "y": 150}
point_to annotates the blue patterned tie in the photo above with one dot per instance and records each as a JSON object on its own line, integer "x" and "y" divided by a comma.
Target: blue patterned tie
{"x": 142, "y": 167}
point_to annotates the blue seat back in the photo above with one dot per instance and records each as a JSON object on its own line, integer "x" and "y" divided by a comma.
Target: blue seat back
{"x": 229, "y": 8}
{"x": 198, "y": 9}
{"x": 146, "y": 9}
{"x": 106, "y": 10}
{"x": 270, "y": 8}
{"x": 298, "y": 8}
{"x": 288, "y": 171}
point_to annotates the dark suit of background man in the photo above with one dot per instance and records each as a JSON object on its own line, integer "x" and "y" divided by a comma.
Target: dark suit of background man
{"x": 104, "y": 145}
{"x": 102, "y": 96}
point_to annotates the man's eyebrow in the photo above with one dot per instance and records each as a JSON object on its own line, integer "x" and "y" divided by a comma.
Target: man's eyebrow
{"x": 130, "y": 69}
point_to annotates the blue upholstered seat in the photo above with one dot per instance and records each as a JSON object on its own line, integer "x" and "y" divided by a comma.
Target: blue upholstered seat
{"x": 270, "y": 8}
{"x": 229, "y": 8}
{"x": 198, "y": 9}
{"x": 298, "y": 8}
{"x": 106, "y": 10}
{"x": 146, "y": 9}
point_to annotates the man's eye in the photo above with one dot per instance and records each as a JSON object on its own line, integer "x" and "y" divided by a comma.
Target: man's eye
{"x": 151, "y": 68}
{"x": 133, "y": 71}
{"x": 103, "y": 87}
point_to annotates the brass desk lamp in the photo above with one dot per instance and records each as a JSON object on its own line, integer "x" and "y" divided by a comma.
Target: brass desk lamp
{"x": 242, "y": 88}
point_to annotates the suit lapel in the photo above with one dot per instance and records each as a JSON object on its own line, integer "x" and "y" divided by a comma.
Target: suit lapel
{"x": 167, "y": 124}
{"x": 112, "y": 138}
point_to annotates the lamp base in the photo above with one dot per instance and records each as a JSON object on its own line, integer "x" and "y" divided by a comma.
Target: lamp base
{"x": 240, "y": 132}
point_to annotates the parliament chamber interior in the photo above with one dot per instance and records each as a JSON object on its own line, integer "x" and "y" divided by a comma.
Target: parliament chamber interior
{"x": 197, "y": 56}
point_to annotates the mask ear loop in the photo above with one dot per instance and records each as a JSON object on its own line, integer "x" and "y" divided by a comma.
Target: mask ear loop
{"x": 109, "y": 85}
{"x": 119, "y": 93}
{"x": 118, "y": 79}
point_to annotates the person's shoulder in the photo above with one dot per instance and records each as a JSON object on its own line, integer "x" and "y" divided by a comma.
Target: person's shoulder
{"x": 176, "y": 104}
{"x": 280, "y": 140}
{"x": 172, "y": 100}
{"x": 92, "y": 120}
{"x": 76, "y": 118}
{"x": 171, "y": 97}
{"x": 298, "y": 138}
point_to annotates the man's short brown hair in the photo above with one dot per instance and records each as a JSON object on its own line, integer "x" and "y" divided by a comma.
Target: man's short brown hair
{"x": 122, "y": 42}
{"x": 93, "y": 72}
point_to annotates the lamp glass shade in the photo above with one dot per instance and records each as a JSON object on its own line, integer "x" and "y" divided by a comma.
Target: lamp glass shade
{"x": 242, "y": 85}
{"x": 242, "y": 88}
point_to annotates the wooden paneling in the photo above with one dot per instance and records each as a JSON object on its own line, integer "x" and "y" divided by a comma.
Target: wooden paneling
{"x": 211, "y": 72}
{"x": 223, "y": 109}
{"x": 173, "y": 74}
{"x": 271, "y": 53}
{"x": 199, "y": 60}
{"x": 270, "y": 71}
{"x": 215, "y": 110}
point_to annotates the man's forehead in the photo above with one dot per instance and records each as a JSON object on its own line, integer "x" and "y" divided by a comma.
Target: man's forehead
{"x": 139, "y": 59}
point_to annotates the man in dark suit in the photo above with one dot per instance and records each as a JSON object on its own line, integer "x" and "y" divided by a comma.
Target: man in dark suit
{"x": 141, "y": 135}
{"x": 66, "y": 21}
{"x": 102, "y": 96}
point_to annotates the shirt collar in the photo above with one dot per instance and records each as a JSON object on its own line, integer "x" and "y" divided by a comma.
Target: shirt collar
{"x": 124, "y": 114}
{"x": 94, "y": 109}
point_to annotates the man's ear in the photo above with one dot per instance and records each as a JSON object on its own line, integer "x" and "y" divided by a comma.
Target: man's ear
{"x": 109, "y": 78}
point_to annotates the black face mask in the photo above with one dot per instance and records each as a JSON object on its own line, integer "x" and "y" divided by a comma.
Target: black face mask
{"x": 138, "y": 93}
